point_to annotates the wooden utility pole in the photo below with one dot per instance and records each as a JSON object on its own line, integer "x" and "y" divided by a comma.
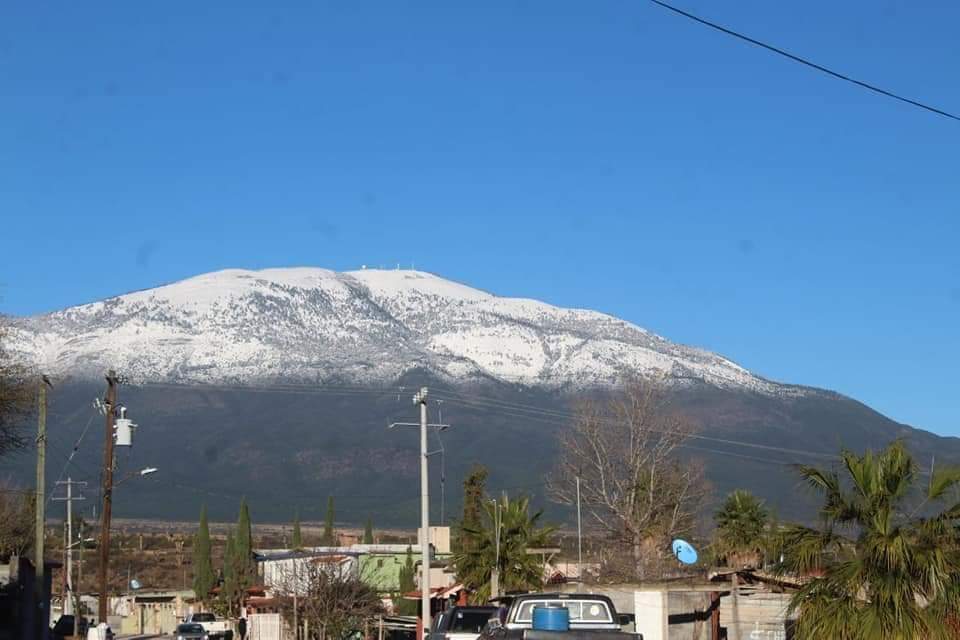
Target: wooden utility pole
{"x": 40, "y": 602}
{"x": 41, "y": 496}
{"x": 104, "y": 547}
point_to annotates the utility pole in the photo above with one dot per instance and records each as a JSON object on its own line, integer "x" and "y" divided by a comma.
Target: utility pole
{"x": 421, "y": 399}
{"x": 67, "y": 550}
{"x": 40, "y": 501}
{"x": 104, "y": 547}
{"x": 579, "y": 538}
{"x": 296, "y": 589}
{"x": 79, "y": 613}
{"x": 495, "y": 571}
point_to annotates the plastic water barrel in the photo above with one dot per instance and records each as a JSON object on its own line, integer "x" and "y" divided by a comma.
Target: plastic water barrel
{"x": 551, "y": 618}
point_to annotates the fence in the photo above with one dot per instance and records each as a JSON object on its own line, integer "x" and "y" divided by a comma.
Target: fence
{"x": 266, "y": 626}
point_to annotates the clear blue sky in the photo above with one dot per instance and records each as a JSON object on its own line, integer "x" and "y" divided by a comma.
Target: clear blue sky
{"x": 601, "y": 154}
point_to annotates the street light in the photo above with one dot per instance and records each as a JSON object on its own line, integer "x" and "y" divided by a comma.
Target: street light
{"x": 136, "y": 474}
{"x": 84, "y": 541}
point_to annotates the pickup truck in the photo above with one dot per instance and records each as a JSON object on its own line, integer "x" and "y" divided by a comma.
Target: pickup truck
{"x": 592, "y": 617}
{"x": 214, "y": 628}
{"x": 461, "y": 623}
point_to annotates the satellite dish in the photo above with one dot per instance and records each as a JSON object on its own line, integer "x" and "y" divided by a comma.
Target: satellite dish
{"x": 684, "y": 551}
{"x": 134, "y": 584}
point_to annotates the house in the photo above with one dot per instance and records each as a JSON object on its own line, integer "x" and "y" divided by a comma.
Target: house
{"x": 755, "y": 603}
{"x": 378, "y": 565}
{"x": 151, "y": 612}
{"x": 289, "y": 570}
{"x": 21, "y": 618}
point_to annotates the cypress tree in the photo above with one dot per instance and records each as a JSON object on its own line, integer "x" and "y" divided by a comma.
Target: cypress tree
{"x": 368, "y": 532}
{"x": 203, "y": 578}
{"x": 329, "y": 538}
{"x": 244, "y": 546}
{"x": 231, "y": 580}
{"x": 474, "y": 495}
{"x": 408, "y": 583}
{"x": 297, "y": 537}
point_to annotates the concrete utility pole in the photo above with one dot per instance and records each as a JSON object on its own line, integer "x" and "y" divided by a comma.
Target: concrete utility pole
{"x": 68, "y": 548}
{"x": 80, "y": 613}
{"x": 495, "y": 571}
{"x": 421, "y": 399}
{"x": 104, "y": 547}
{"x": 579, "y": 538}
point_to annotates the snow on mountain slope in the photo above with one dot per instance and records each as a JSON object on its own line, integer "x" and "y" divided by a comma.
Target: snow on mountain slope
{"x": 360, "y": 326}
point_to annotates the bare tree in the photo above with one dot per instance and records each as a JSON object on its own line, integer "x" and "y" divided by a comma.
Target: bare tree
{"x": 16, "y": 396}
{"x": 632, "y": 484}
{"x": 16, "y": 521}
{"x": 331, "y": 597}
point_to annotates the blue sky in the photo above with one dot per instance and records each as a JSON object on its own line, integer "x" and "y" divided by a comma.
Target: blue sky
{"x": 599, "y": 154}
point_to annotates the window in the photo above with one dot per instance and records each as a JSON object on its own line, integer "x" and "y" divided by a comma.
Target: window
{"x": 580, "y": 610}
{"x": 469, "y": 621}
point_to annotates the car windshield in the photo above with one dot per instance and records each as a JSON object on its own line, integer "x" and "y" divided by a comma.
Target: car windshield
{"x": 189, "y": 628}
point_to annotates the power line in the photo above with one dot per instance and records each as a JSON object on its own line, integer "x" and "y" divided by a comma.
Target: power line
{"x": 804, "y": 61}
{"x": 551, "y": 416}
{"x": 475, "y": 401}
{"x": 73, "y": 452}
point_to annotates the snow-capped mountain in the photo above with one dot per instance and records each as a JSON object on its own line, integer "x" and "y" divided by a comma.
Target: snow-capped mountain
{"x": 367, "y": 326}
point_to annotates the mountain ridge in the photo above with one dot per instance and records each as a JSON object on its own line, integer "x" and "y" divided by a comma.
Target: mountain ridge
{"x": 361, "y": 326}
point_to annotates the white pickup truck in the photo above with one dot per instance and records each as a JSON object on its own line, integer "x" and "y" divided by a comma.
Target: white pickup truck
{"x": 214, "y": 628}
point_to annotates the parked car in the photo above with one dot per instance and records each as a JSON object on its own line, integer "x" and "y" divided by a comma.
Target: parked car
{"x": 63, "y": 628}
{"x": 191, "y": 631}
{"x": 592, "y": 617}
{"x": 461, "y": 623}
{"x": 215, "y": 628}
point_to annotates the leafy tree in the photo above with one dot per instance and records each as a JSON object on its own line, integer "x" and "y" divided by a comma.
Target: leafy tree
{"x": 876, "y": 567}
{"x": 17, "y": 396}
{"x": 408, "y": 583}
{"x": 474, "y": 497}
{"x": 329, "y": 536}
{"x": 368, "y": 532}
{"x": 203, "y": 578}
{"x": 297, "y": 538}
{"x": 741, "y": 533}
{"x": 519, "y": 531}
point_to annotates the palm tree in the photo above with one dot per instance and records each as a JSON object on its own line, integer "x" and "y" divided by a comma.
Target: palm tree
{"x": 519, "y": 531}
{"x": 741, "y": 533}
{"x": 885, "y": 562}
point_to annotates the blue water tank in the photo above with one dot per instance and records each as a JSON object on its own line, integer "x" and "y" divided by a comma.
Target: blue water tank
{"x": 551, "y": 618}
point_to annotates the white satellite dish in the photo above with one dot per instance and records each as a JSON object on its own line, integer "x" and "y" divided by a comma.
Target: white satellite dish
{"x": 134, "y": 584}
